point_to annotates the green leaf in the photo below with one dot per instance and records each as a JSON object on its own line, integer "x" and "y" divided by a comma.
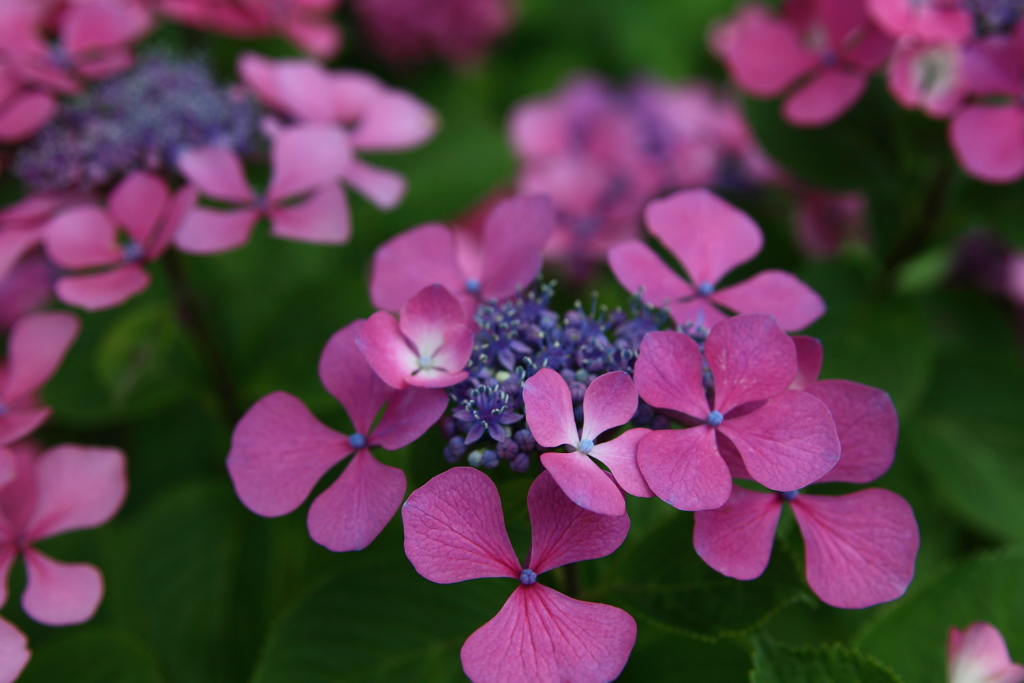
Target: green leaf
{"x": 95, "y": 655}
{"x": 776, "y": 663}
{"x": 911, "y": 637}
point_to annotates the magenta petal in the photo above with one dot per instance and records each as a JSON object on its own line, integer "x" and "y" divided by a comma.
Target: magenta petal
{"x": 26, "y": 116}
{"x": 860, "y": 547}
{"x": 514, "y": 237}
{"x": 217, "y": 172}
{"x": 279, "y": 451}
{"x": 585, "y": 483}
{"x": 867, "y": 425}
{"x": 619, "y": 455}
{"x": 549, "y": 410}
{"x": 345, "y": 373}
{"x": 36, "y": 347}
{"x": 610, "y": 401}
{"x": 543, "y": 636}
{"x": 14, "y": 244}
{"x": 684, "y": 469}
{"x": 809, "y": 355}
{"x": 788, "y": 443}
{"x": 102, "y": 290}
{"x": 305, "y": 157}
{"x": 79, "y": 487}
{"x": 59, "y": 593}
{"x": 211, "y": 231}
{"x": 636, "y": 266}
{"x": 410, "y": 413}
{"x": 989, "y": 142}
{"x": 777, "y": 293}
{"x": 428, "y": 316}
{"x": 979, "y": 653}
{"x": 668, "y": 373}
{"x": 356, "y": 508}
{"x": 393, "y": 121}
{"x": 736, "y": 539}
{"x": 180, "y": 203}
{"x": 751, "y": 359}
{"x": 825, "y": 98}
{"x": 410, "y": 261}
{"x": 383, "y": 187}
{"x": 386, "y": 350}
{"x": 564, "y": 532}
{"x": 455, "y": 530}
{"x": 14, "y": 652}
{"x": 137, "y": 202}
{"x": 17, "y": 424}
{"x": 321, "y": 218}
{"x": 82, "y": 237}
{"x": 707, "y": 234}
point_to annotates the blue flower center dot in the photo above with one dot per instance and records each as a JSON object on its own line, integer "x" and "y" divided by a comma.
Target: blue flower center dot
{"x": 357, "y": 440}
{"x": 528, "y": 577}
{"x": 789, "y": 495}
{"x": 132, "y": 252}
{"x": 585, "y": 446}
{"x": 425, "y": 362}
{"x": 715, "y": 418}
{"x": 473, "y": 286}
{"x": 705, "y": 289}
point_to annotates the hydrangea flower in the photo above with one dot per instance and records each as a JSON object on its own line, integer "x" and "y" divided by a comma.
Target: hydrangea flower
{"x": 302, "y": 200}
{"x": 506, "y": 259}
{"x": 427, "y": 346}
{"x": 931, "y": 77}
{"x": 610, "y": 401}
{"x": 64, "y": 489}
{"x": 785, "y": 439}
{"x": 14, "y": 652}
{"x": 978, "y": 654}
{"x": 279, "y": 450}
{"x": 36, "y": 347}
{"x": 105, "y": 249}
{"x": 454, "y": 531}
{"x": 709, "y": 237}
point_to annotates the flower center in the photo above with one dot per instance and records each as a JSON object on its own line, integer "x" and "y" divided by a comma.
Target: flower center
{"x": 132, "y": 252}
{"x": 528, "y": 577}
{"x": 473, "y": 286}
{"x": 357, "y": 441}
{"x": 585, "y": 446}
{"x": 715, "y": 418}
{"x": 705, "y": 289}
{"x": 425, "y": 362}
{"x": 789, "y": 495}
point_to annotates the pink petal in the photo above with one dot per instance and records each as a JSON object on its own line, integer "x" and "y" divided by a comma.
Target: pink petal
{"x": 305, "y": 157}
{"x": 137, "y": 203}
{"x": 786, "y": 444}
{"x": 79, "y": 487}
{"x": 708, "y": 235}
{"x": 543, "y": 636}
{"x": 211, "y": 231}
{"x": 14, "y": 652}
{"x": 8, "y": 470}
{"x": 321, "y": 38}
{"x": 384, "y": 188}
{"x": 619, "y": 455}
{"x": 36, "y": 347}
{"x": 585, "y": 483}
{"x": 102, "y": 290}
{"x": 26, "y": 116}
{"x": 17, "y": 424}
{"x": 978, "y": 654}
{"x": 410, "y": 261}
{"x": 777, "y": 293}
{"x": 14, "y": 244}
{"x": 93, "y": 26}
{"x": 181, "y": 202}
{"x": 218, "y": 172}
{"x": 610, "y": 401}
{"x": 636, "y": 266}
{"x": 279, "y": 451}
{"x": 393, "y": 121}
{"x": 428, "y": 318}
{"x": 751, "y": 359}
{"x": 357, "y": 507}
{"x": 350, "y": 379}
{"x": 455, "y": 530}
{"x": 825, "y": 98}
{"x": 386, "y": 350}
{"x": 736, "y": 539}
{"x": 988, "y": 141}
{"x": 83, "y": 237}
{"x": 860, "y": 547}
{"x": 809, "y": 355}
{"x": 549, "y": 412}
{"x": 410, "y": 413}
{"x": 8, "y": 554}
{"x": 297, "y": 87}
{"x": 453, "y": 354}
{"x": 668, "y": 373}
{"x": 59, "y": 593}
{"x": 867, "y": 425}
{"x": 321, "y": 218}
{"x": 514, "y": 237}
{"x": 684, "y": 469}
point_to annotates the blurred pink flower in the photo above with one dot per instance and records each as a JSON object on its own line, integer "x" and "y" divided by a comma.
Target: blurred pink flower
{"x": 928, "y": 76}
{"x": 610, "y": 401}
{"x": 428, "y": 346}
{"x": 27, "y": 288}
{"x": 824, "y": 220}
{"x": 454, "y": 531}
{"x": 786, "y": 439}
{"x": 504, "y": 259}
{"x": 36, "y": 347}
{"x": 709, "y": 237}
{"x": 14, "y": 652}
{"x": 929, "y": 20}
{"x": 302, "y": 200}
{"x": 819, "y": 53}
{"x": 66, "y": 488}
{"x": 107, "y": 262}
{"x": 279, "y": 450}
{"x": 978, "y": 654}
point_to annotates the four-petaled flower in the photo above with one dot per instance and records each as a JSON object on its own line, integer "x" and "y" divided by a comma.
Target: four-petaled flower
{"x": 978, "y": 654}
{"x": 455, "y": 531}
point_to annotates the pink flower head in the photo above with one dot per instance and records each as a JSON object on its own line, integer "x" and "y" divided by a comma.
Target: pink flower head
{"x": 929, "y": 20}
{"x": 709, "y": 237}
{"x": 978, "y": 654}
{"x": 376, "y": 117}
{"x": 820, "y": 52}
{"x": 66, "y": 488}
{"x": 302, "y": 200}
{"x": 928, "y": 76}
{"x": 506, "y": 258}
{"x": 36, "y": 347}
{"x": 105, "y": 249}
{"x": 455, "y": 531}
{"x": 610, "y": 401}
{"x": 279, "y": 450}
{"x": 785, "y": 439}
{"x": 14, "y": 652}
{"x": 428, "y": 346}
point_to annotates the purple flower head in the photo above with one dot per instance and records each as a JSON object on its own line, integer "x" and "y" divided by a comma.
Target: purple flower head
{"x": 455, "y": 531}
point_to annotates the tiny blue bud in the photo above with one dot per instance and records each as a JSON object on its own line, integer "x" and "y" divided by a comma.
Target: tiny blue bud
{"x": 489, "y": 459}
{"x": 132, "y": 252}
{"x": 789, "y": 495}
{"x": 528, "y": 577}
{"x": 705, "y": 289}
{"x": 715, "y": 418}
{"x": 585, "y": 446}
{"x": 473, "y": 286}
{"x": 357, "y": 440}
{"x": 475, "y": 458}
{"x": 425, "y": 361}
